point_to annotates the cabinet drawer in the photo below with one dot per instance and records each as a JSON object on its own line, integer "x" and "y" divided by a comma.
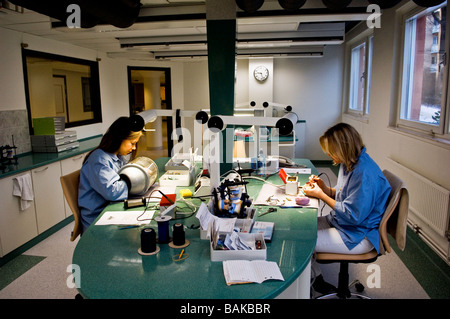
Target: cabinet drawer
{"x": 71, "y": 164}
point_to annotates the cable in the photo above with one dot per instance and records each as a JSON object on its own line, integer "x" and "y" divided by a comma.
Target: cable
{"x": 329, "y": 187}
{"x": 263, "y": 180}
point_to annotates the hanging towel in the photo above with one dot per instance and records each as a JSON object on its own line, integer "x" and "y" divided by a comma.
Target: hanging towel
{"x": 23, "y": 188}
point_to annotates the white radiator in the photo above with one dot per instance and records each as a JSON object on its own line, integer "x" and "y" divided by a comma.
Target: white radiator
{"x": 427, "y": 200}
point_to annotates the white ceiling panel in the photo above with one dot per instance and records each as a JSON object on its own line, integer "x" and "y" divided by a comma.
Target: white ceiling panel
{"x": 183, "y": 18}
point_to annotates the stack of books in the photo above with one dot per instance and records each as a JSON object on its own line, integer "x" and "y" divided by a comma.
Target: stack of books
{"x": 50, "y": 136}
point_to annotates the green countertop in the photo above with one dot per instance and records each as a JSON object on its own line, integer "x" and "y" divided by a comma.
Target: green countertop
{"x": 110, "y": 266}
{"x": 33, "y": 160}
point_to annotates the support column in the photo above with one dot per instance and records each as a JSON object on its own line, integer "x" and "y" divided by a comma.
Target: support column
{"x": 221, "y": 37}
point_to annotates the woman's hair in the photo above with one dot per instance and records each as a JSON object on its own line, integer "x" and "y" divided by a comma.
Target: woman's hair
{"x": 344, "y": 142}
{"x": 119, "y": 131}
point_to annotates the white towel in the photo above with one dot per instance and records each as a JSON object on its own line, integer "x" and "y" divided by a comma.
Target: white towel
{"x": 23, "y": 188}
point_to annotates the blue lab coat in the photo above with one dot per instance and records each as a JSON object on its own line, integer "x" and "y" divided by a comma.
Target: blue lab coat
{"x": 361, "y": 198}
{"x": 100, "y": 184}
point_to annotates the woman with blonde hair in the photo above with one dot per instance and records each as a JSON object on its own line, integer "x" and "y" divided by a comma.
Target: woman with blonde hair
{"x": 100, "y": 182}
{"x": 357, "y": 201}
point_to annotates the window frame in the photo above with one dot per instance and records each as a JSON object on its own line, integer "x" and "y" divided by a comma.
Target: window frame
{"x": 366, "y": 38}
{"x": 94, "y": 85}
{"x": 441, "y": 131}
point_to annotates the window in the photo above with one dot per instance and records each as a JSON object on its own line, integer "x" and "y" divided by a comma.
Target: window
{"x": 424, "y": 84}
{"x": 61, "y": 86}
{"x": 360, "y": 76}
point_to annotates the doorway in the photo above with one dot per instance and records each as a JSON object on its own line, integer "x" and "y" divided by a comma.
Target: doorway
{"x": 150, "y": 88}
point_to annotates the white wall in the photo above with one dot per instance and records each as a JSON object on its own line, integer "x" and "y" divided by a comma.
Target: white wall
{"x": 422, "y": 155}
{"x": 425, "y": 156}
{"x": 313, "y": 87}
{"x": 12, "y": 96}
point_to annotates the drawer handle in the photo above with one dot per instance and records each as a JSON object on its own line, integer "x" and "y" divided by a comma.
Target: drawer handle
{"x": 77, "y": 158}
{"x": 41, "y": 170}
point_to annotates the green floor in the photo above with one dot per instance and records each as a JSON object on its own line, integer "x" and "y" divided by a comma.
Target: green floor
{"x": 14, "y": 264}
{"x": 16, "y": 267}
{"x": 431, "y": 271}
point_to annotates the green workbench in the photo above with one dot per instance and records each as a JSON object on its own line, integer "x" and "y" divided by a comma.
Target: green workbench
{"x": 111, "y": 267}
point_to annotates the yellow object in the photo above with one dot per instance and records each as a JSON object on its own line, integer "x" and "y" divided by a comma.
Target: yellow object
{"x": 179, "y": 257}
{"x": 186, "y": 192}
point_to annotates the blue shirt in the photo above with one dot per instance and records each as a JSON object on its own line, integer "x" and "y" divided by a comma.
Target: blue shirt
{"x": 361, "y": 197}
{"x": 100, "y": 184}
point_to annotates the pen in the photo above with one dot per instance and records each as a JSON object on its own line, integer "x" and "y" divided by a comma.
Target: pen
{"x": 170, "y": 201}
{"x": 181, "y": 254}
{"x": 128, "y": 227}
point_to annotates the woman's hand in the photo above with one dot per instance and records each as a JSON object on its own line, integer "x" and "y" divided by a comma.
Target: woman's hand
{"x": 317, "y": 180}
{"x": 313, "y": 190}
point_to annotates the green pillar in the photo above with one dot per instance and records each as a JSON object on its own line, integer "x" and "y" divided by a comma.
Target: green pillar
{"x": 221, "y": 37}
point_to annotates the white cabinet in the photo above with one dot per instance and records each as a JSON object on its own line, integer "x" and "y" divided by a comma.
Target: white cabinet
{"x": 48, "y": 196}
{"x": 47, "y": 209}
{"x": 68, "y": 166}
{"x": 16, "y": 226}
{"x": 71, "y": 164}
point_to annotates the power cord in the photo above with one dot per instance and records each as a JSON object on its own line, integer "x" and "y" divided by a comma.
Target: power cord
{"x": 329, "y": 187}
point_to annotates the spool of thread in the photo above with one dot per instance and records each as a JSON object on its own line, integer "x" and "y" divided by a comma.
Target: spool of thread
{"x": 163, "y": 229}
{"x": 148, "y": 241}
{"x": 179, "y": 238}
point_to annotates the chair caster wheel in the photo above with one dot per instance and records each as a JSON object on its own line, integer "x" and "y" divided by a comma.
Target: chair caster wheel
{"x": 359, "y": 287}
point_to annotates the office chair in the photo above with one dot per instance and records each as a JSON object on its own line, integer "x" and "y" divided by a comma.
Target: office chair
{"x": 393, "y": 222}
{"x": 69, "y": 185}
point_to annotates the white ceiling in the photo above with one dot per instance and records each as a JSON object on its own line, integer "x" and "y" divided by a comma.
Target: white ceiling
{"x": 171, "y": 22}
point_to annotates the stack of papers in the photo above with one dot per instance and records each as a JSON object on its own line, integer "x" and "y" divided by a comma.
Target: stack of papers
{"x": 233, "y": 241}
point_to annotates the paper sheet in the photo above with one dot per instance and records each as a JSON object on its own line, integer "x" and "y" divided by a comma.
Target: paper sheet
{"x": 129, "y": 217}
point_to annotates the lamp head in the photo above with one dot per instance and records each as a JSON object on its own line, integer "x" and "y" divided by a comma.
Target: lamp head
{"x": 138, "y": 121}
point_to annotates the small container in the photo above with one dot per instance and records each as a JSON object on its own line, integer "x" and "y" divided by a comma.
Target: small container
{"x": 291, "y": 185}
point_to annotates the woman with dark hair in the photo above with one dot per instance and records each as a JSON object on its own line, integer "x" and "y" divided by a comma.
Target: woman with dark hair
{"x": 357, "y": 201}
{"x": 99, "y": 181}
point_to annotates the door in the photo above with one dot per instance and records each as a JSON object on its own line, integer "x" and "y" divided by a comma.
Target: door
{"x": 149, "y": 88}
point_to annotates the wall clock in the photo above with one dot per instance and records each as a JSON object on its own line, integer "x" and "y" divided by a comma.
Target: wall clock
{"x": 261, "y": 73}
